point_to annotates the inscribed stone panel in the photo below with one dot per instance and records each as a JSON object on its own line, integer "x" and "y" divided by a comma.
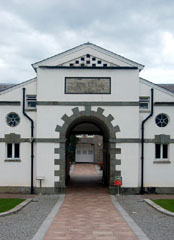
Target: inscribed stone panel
{"x": 82, "y": 85}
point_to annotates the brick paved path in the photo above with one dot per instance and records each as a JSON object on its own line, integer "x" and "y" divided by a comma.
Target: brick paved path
{"x": 87, "y": 212}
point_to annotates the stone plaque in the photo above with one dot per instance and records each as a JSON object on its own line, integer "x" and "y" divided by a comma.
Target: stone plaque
{"x": 82, "y": 85}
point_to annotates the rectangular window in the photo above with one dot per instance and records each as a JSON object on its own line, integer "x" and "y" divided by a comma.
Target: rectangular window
{"x": 144, "y": 103}
{"x": 161, "y": 151}
{"x": 31, "y": 101}
{"x": 13, "y": 150}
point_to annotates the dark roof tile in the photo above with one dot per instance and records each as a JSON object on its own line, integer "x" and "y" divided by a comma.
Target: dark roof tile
{"x": 169, "y": 87}
{"x": 5, "y": 86}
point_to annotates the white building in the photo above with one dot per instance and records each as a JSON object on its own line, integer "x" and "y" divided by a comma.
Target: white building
{"x": 87, "y": 89}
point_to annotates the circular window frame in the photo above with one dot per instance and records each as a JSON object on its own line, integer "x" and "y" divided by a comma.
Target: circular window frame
{"x": 162, "y": 123}
{"x": 14, "y": 119}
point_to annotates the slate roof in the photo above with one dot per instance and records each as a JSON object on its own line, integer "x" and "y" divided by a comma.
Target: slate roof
{"x": 4, "y": 86}
{"x": 169, "y": 87}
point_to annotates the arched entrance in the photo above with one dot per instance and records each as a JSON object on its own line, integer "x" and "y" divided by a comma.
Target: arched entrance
{"x": 85, "y": 122}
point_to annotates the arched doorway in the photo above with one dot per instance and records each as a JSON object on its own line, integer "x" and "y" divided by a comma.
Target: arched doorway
{"x": 90, "y": 125}
{"x": 88, "y": 121}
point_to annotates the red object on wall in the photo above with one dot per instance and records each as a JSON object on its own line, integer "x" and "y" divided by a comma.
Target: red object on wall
{"x": 117, "y": 182}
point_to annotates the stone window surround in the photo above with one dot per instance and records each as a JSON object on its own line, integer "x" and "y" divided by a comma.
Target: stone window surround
{"x": 15, "y": 119}
{"x": 12, "y": 138}
{"x": 162, "y": 139}
{"x": 162, "y": 122}
{"x": 143, "y": 99}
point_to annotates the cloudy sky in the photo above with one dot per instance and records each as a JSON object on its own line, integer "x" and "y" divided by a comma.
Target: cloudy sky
{"x": 141, "y": 30}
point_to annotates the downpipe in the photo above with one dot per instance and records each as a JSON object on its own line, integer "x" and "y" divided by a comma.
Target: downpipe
{"x": 142, "y": 190}
{"x": 32, "y": 141}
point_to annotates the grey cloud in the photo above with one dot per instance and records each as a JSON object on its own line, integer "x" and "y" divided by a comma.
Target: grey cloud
{"x": 33, "y": 30}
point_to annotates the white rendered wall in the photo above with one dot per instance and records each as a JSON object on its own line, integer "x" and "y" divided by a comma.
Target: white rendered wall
{"x": 129, "y": 164}
{"x": 45, "y": 164}
{"x": 127, "y": 117}
{"x": 54, "y": 81}
{"x": 16, "y": 173}
{"x": 15, "y": 93}
{"x": 157, "y": 174}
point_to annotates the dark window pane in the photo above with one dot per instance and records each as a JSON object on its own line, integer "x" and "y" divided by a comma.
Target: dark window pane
{"x": 77, "y": 61}
{"x": 9, "y": 150}
{"x": 16, "y": 153}
{"x": 157, "y": 150}
{"x": 165, "y": 151}
{"x": 32, "y": 104}
{"x": 143, "y": 105}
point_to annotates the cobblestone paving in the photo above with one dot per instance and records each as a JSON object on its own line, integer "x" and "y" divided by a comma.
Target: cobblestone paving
{"x": 87, "y": 212}
{"x": 25, "y": 223}
{"x": 155, "y": 225}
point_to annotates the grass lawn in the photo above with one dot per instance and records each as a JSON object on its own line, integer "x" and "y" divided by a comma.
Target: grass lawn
{"x": 167, "y": 204}
{"x": 9, "y": 203}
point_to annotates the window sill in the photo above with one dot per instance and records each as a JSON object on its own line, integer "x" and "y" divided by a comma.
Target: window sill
{"x": 31, "y": 110}
{"x": 162, "y": 161}
{"x": 144, "y": 110}
{"x": 12, "y": 160}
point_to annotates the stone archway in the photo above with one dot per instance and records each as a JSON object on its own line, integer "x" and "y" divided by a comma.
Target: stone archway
{"x": 110, "y": 130}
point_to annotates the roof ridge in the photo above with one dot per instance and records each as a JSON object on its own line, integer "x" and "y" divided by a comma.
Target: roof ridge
{"x": 101, "y": 49}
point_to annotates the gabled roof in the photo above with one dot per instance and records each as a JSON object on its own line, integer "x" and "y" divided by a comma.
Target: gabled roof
{"x": 6, "y": 87}
{"x": 158, "y": 86}
{"x": 89, "y": 46}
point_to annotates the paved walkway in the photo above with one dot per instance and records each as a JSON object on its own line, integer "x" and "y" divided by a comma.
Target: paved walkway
{"x": 87, "y": 212}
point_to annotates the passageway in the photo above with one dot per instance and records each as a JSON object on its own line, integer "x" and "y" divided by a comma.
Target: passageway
{"x": 83, "y": 150}
{"x": 85, "y": 176}
{"x": 88, "y": 212}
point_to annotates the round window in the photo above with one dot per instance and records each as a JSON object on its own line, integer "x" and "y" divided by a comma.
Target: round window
{"x": 161, "y": 120}
{"x": 12, "y": 119}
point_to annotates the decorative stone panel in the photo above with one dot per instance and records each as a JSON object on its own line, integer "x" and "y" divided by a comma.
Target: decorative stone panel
{"x": 12, "y": 138}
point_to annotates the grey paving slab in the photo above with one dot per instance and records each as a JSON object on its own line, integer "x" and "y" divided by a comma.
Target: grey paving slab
{"x": 47, "y": 222}
{"x": 135, "y": 228}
